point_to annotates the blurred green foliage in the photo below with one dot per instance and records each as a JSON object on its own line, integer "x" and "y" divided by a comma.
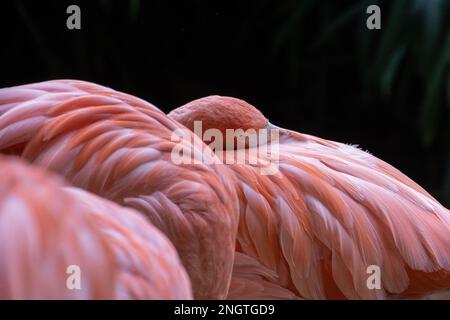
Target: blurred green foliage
{"x": 414, "y": 43}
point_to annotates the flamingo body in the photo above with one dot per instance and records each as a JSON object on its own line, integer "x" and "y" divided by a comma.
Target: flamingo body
{"x": 329, "y": 213}
{"x": 47, "y": 227}
{"x": 119, "y": 147}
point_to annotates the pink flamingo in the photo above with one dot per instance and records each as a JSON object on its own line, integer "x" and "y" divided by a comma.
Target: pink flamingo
{"x": 46, "y": 228}
{"x": 312, "y": 230}
{"x": 331, "y": 212}
{"x": 119, "y": 147}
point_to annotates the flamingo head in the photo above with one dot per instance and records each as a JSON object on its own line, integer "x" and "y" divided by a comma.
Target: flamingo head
{"x": 222, "y": 114}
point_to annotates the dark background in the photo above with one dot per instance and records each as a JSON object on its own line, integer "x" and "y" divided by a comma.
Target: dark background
{"x": 309, "y": 65}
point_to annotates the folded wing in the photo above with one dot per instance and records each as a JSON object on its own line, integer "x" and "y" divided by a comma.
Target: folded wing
{"x": 47, "y": 229}
{"x": 331, "y": 213}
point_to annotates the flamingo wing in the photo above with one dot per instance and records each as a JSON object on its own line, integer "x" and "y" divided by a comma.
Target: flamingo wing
{"x": 329, "y": 214}
{"x": 46, "y": 228}
{"x": 120, "y": 147}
